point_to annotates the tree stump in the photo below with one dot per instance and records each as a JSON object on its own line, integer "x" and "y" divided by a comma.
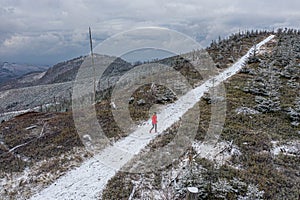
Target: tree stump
{"x": 192, "y": 193}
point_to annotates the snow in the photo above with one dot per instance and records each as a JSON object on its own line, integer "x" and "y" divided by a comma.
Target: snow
{"x": 20, "y": 69}
{"x": 4, "y": 94}
{"x": 8, "y": 115}
{"x": 30, "y": 180}
{"x": 219, "y": 152}
{"x": 193, "y": 189}
{"x": 252, "y": 193}
{"x": 88, "y": 180}
{"x": 290, "y": 148}
{"x": 113, "y": 105}
{"x": 32, "y": 77}
{"x": 16, "y": 112}
{"x": 246, "y": 111}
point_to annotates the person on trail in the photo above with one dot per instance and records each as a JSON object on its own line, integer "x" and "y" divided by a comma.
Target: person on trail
{"x": 154, "y": 122}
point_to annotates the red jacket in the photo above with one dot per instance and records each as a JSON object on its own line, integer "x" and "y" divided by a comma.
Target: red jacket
{"x": 154, "y": 119}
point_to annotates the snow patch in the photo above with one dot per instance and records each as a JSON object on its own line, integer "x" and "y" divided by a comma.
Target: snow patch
{"x": 290, "y": 148}
{"x": 246, "y": 111}
{"x": 219, "y": 152}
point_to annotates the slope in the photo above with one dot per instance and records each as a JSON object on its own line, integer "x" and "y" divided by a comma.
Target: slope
{"x": 87, "y": 181}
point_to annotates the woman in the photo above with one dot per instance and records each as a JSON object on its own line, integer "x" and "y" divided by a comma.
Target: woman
{"x": 154, "y": 122}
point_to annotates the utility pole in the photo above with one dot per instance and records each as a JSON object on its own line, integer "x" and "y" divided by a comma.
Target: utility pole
{"x": 93, "y": 64}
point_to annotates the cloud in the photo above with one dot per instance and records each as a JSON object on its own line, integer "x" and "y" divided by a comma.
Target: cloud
{"x": 58, "y": 29}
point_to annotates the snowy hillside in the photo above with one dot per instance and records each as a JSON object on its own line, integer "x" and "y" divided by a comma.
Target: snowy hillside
{"x": 87, "y": 181}
{"x": 13, "y": 70}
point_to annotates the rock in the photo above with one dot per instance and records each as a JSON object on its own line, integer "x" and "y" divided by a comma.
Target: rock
{"x": 164, "y": 96}
{"x": 131, "y": 100}
{"x": 218, "y": 65}
{"x": 206, "y": 97}
{"x": 113, "y": 105}
{"x": 141, "y": 102}
{"x": 159, "y": 100}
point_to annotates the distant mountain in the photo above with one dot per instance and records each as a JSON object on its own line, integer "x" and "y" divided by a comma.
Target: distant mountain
{"x": 13, "y": 70}
{"x": 66, "y": 71}
{"x": 62, "y": 72}
{"x": 41, "y": 88}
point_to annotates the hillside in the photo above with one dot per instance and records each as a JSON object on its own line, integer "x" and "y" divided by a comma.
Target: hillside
{"x": 9, "y": 71}
{"x": 258, "y": 153}
{"x": 52, "y": 90}
{"x": 59, "y": 73}
{"x": 256, "y": 157}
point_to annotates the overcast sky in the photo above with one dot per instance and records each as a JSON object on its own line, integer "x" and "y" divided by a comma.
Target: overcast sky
{"x": 49, "y": 31}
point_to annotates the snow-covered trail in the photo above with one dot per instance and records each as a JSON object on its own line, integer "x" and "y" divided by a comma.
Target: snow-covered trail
{"x": 89, "y": 180}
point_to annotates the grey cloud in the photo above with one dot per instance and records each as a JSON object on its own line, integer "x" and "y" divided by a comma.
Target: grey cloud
{"x": 55, "y": 30}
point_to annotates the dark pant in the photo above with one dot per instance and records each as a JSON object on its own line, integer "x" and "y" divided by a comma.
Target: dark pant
{"x": 154, "y": 126}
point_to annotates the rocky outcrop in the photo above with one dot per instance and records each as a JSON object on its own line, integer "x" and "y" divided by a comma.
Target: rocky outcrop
{"x": 163, "y": 96}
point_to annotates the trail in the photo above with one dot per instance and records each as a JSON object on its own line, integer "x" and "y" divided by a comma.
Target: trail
{"x": 88, "y": 181}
